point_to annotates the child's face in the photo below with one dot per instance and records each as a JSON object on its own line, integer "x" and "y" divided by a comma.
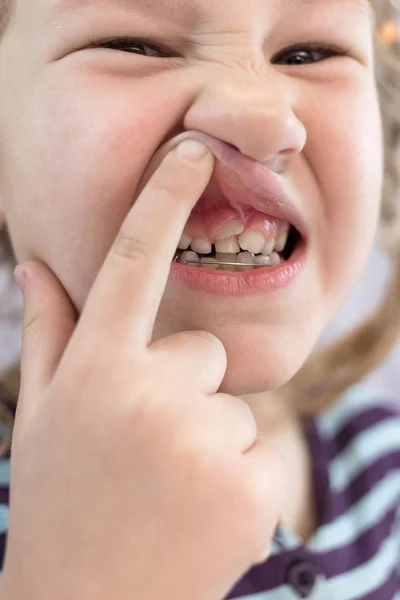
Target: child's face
{"x": 79, "y": 126}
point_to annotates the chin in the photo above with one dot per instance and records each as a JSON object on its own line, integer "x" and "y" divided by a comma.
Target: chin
{"x": 261, "y": 364}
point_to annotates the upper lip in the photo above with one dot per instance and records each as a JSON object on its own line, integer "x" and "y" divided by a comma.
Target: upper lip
{"x": 247, "y": 183}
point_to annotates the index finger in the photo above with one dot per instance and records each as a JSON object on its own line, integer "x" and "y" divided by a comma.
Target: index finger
{"x": 127, "y": 292}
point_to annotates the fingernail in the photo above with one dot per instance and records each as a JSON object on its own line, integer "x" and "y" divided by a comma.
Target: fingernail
{"x": 192, "y": 149}
{"x": 22, "y": 277}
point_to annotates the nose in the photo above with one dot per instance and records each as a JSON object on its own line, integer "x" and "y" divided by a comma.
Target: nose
{"x": 257, "y": 118}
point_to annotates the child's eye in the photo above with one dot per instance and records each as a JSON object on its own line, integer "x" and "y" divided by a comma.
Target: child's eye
{"x": 129, "y": 45}
{"x": 307, "y": 54}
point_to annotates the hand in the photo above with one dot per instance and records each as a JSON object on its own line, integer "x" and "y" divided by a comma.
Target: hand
{"x": 132, "y": 478}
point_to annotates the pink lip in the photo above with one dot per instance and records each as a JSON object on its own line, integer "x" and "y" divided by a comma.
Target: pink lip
{"x": 257, "y": 282}
{"x": 249, "y": 184}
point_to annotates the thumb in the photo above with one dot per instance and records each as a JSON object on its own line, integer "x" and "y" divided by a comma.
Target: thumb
{"x": 49, "y": 321}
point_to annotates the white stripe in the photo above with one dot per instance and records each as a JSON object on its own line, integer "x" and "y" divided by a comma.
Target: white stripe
{"x": 363, "y": 515}
{"x": 5, "y": 472}
{"x": 363, "y": 451}
{"x": 354, "y": 402}
{"x": 369, "y": 576}
{"x": 4, "y": 511}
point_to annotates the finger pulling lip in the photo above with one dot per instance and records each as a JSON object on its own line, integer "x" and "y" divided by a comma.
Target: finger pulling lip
{"x": 245, "y": 182}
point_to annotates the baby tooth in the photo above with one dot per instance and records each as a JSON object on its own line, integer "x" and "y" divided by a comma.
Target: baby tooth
{"x": 253, "y": 241}
{"x": 265, "y": 261}
{"x": 281, "y": 242}
{"x": 184, "y": 242}
{"x": 209, "y": 263}
{"x": 225, "y": 257}
{"x": 230, "y": 246}
{"x": 275, "y": 259}
{"x": 269, "y": 247}
{"x": 244, "y": 257}
{"x": 185, "y": 256}
{"x": 201, "y": 246}
{"x": 230, "y": 229}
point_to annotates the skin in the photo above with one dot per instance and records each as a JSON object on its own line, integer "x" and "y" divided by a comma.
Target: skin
{"x": 79, "y": 127}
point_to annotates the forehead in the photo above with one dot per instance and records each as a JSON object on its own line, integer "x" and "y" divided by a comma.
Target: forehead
{"x": 193, "y": 9}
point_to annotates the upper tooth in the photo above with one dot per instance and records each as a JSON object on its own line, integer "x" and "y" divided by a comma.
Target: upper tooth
{"x": 184, "y": 242}
{"x": 201, "y": 246}
{"x": 269, "y": 247}
{"x": 281, "y": 241}
{"x": 252, "y": 241}
{"x": 230, "y": 229}
{"x": 230, "y": 245}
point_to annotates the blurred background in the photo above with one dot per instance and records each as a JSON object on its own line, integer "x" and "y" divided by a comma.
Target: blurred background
{"x": 378, "y": 271}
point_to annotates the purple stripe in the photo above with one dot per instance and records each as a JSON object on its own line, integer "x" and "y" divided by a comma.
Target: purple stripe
{"x": 360, "y": 550}
{"x": 5, "y": 495}
{"x": 359, "y": 424}
{"x": 272, "y": 574}
{"x": 340, "y": 502}
{"x": 3, "y": 540}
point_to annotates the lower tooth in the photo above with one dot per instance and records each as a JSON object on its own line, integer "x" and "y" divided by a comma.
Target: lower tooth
{"x": 244, "y": 257}
{"x": 275, "y": 259}
{"x": 189, "y": 256}
{"x": 225, "y": 257}
{"x": 265, "y": 261}
{"x": 210, "y": 263}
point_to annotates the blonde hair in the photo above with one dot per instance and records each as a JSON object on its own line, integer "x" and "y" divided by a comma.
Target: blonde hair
{"x": 331, "y": 371}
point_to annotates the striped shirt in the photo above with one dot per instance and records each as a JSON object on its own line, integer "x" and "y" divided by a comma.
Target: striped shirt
{"x": 355, "y": 552}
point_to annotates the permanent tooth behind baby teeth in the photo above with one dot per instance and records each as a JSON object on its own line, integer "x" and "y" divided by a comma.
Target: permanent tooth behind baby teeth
{"x": 252, "y": 241}
{"x": 281, "y": 242}
{"x": 201, "y": 246}
{"x": 244, "y": 257}
{"x": 184, "y": 242}
{"x": 230, "y": 246}
{"x": 269, "y": 247}
{"x": 230, "y": 229}
{"x": 185, "y": 256}
{"x": 275, "y": 259}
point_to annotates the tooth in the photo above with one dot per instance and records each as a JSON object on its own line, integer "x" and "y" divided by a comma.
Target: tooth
{"x": 225, "y": 257}
{"x": 275, "y": 259}
{"x": 265, "y": 261}
{"x": 201, "y": 246}
{"x": 244, "y": 257}
{"x": 185, "y": 242}
{"x": 252, "y": 241}
{"x": 281, "y": 241}
{"x": 214, "y": 267}
{"x": 230, "y": 229}
{"x": 230, "y": 245}
{"x": 189, "y": 256}
{"x": 269, "y": 247}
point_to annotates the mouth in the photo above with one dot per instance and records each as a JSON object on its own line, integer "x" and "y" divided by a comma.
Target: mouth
{"x": 244, "y": 234}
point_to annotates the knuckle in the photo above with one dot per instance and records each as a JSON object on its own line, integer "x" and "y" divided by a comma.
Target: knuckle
{"x": 29, "y": 327}
{"x": 132, "y": 248}
{"x": 214, "y": 344}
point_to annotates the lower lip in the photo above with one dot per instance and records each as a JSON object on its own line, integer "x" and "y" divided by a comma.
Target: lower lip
{"x": 259, "y": 281}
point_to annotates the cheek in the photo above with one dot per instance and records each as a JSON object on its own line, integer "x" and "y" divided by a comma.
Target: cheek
{"x": 345, "y": 153}
{"x": 84, "y": 151}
